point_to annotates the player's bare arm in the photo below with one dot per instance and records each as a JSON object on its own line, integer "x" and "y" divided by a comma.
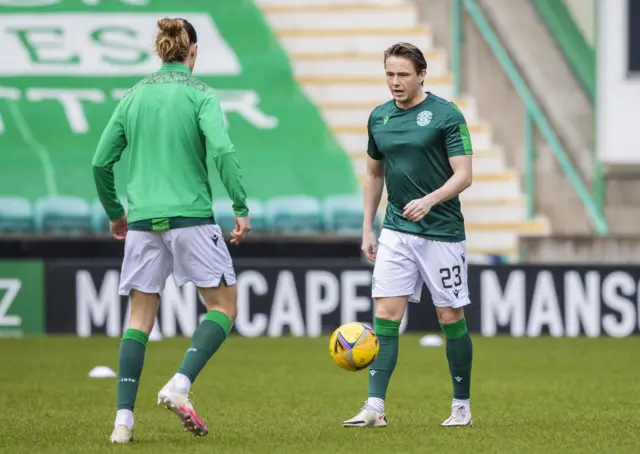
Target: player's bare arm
{"x": 459, "y": 181}
{"x": 372, "y": 192}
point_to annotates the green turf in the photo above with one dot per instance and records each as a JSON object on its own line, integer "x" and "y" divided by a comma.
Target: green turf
{"x": 285, "y": 395}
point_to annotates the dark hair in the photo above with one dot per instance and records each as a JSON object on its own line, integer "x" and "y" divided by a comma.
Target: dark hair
{"x": 408, "y": 51}
{"x": 174, "y": 39}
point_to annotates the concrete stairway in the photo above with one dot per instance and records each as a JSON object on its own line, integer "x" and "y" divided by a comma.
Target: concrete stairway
{"x": 336, "y": 49}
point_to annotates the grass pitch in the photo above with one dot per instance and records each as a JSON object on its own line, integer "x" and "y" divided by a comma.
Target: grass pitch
{"x": 285, "y": 395}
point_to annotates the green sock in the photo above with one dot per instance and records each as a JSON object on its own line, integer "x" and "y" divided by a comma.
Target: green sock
{"x": 382, "y": 368}
{"x": 130, "y": 362}
{"x": 207, "y": 338}
{"x": 460, "y": 357}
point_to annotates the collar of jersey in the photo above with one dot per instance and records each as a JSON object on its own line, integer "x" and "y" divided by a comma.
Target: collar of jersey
{"x": 175, "y": 67}
{"x": 421, "y": 103}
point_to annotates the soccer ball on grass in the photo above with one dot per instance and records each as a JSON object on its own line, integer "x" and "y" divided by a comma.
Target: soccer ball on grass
{"x": 354, "y": 346}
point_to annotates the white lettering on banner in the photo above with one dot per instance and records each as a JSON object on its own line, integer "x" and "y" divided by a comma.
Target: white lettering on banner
{"x": 28, "y": 3}
{"x": 35, "y": 3}
{"x": 544, "y": 307}
{"x": 91, "y": 44}
{"x": 405, "y": 319}
{"x": 126, "y": 2}
{"x": 352, "y": 304}
{"x": 245, "y": 103}
{"x": 71, "y": 101}
{"x": 317, "y": 283}
{"x": 403, "y": 322}
{"x": 242, "y": 102}
{"x": 95, "y": 308}
{"x": 249, "y": 281}
{"x": 11, "y": 287}
{"x": 155, "y": 331}
{"x": 285, "y": 309}
{"x": 502, "y": 308}
{"x": 616, "y": 287}
{"x": 179, "y": 305}
{"x": 582, "y": 303}
{"x": 10, "y": 93}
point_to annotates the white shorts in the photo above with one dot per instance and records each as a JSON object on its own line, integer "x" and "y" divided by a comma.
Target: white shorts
{"x": 195, "y": 254}
{"x": 404, "y": 262}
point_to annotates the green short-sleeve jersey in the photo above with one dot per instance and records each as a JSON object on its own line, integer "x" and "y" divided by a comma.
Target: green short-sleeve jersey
{"x": 415, "y": 145}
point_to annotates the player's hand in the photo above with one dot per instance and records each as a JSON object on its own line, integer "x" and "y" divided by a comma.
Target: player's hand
{"x": 119, "y": 228}
{"x": 243, "y": 226}
{"x": 369, "y": 245}
{"x": 417, "y": 209}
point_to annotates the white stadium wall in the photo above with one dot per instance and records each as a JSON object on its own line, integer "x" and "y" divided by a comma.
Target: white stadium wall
{"x": 618, "y": 85}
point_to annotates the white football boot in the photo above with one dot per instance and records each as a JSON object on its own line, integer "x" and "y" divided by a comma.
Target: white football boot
{"x": 460, "y": 417}
{"x": 367, "y": 417}
{"x": 121, "y": 434}
{"x": 180, "y": 404}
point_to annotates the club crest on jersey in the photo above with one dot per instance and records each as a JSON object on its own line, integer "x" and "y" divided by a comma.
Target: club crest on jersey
{"x": 424, "y": 118}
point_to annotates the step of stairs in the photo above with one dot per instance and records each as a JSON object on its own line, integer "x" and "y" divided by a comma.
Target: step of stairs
{"x": 484, "y": 161}
{"x": 356, "y": 137}
{"x": 341, "y": 16}
{"x": 336, "y": 48}
{"x": 364, "y": 40}
{"x": 352, "y": 89}
{"x": 352, "y": 64}
{"x": 357, "y": 114}
{"x": 488, "y": 187}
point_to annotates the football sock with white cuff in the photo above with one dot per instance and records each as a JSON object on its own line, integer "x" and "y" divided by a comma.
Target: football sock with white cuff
{"x": 206, "y": 339}
{"x": 460, "y": 357}
{"x": 382, "y": 368}
{"x": 130, "y": 363}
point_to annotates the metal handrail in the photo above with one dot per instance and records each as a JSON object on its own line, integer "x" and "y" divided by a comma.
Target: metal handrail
{"x": 535, "y": 117}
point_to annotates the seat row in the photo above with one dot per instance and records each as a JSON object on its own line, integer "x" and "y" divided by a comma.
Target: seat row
{"x": 297, "y": 214}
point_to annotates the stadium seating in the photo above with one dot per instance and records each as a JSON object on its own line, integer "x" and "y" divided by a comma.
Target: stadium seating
{"x": 99, "y": 219}
{"x": 338, "y": 214}
{"x": 63, "y": 214}
{"x": 295, "y": 214}
{"x": 223, "y": 213}
{"x": 16, "y": 215}
{"x": 343, "y": 213}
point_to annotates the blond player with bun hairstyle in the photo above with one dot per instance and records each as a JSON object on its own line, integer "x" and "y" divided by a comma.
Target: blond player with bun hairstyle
{"x": 172, "y": 126}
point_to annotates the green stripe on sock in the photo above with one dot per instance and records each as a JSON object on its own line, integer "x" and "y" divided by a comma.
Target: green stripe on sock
{"x": 454, "y": 330}
{"x": 136, "y": 335}
{"x": 221, "y": 319}
{"x": 384, "y": 327}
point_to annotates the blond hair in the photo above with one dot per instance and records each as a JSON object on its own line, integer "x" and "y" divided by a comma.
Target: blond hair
{"x": 172, "y": 41}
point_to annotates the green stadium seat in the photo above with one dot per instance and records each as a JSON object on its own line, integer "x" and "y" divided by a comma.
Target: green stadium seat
{"x": 16, "y": 215}
{"x": 99, "y": 219}
{"x": 295, "y": 215}
{"x": 258, "y": 215}
{"x": 343, "y": 214}
{"x": 63, "y": 215}
{"x": 223, "y": 212}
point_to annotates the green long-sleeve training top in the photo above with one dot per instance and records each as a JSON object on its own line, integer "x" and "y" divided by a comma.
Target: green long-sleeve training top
{"x": 171, "y": 124}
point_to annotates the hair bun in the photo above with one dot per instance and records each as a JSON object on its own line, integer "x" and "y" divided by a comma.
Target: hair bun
{"x": 171, "y": 26}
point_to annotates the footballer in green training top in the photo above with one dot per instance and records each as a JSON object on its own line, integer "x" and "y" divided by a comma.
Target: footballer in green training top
{"x": 172, "y": 127}
{"x": 419, "y": 145}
